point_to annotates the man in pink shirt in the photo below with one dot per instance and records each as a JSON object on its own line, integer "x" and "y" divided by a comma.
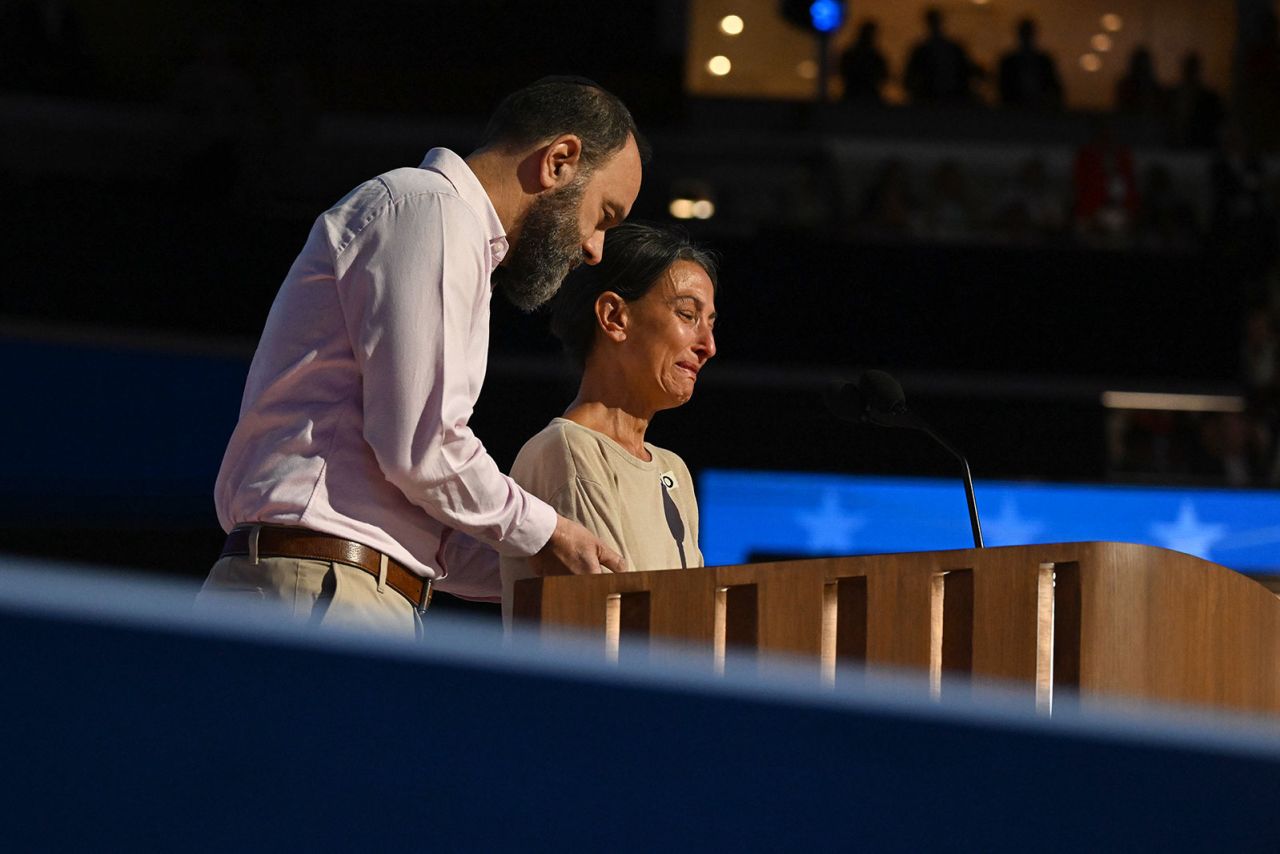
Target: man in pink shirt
{"x": 352, "y": 484}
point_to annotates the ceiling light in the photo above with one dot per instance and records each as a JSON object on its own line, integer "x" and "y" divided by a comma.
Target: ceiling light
{"x": 681, "y": 208}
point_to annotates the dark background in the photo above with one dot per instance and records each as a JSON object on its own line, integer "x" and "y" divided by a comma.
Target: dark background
{"x": 164, "y": 162}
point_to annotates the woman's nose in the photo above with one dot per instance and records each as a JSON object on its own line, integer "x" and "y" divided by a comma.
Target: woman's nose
{"x": 706, "y": 346}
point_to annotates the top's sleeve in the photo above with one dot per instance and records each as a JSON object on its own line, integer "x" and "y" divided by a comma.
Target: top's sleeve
{"x": 551, "y": 471}
{"x": 594, "y": 506}
{"x": 546, "y": 467}
{"x": 410, "y": 286}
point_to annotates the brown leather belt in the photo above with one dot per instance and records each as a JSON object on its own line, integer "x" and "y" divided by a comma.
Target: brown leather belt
{"x": 312, "y": 545}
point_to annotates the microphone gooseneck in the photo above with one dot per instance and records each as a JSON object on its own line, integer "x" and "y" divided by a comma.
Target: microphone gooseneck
{"x": 878, "y": 398}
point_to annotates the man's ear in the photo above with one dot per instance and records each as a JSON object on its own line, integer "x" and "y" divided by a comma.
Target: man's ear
{"x": 611, "y": 316}
{"x": 561, "y": 159}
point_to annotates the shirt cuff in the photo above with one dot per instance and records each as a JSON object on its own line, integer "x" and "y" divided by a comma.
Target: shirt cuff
{"x": 529, "y": 538}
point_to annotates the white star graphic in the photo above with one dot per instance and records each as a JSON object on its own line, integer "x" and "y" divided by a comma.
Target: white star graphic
{"x": 1009, "y": 528}
{"x": 1187, "y": 533}
{"x": 830, "y": 528}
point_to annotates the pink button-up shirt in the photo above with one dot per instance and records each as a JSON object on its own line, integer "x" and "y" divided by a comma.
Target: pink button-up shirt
{"x": 355, "y": 410}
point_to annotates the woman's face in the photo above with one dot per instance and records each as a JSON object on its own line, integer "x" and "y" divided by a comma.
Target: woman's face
{"x": 670, "y": 335}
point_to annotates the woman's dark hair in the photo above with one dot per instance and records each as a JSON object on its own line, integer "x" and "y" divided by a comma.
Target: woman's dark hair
{"x": 551, "y": 106}
{"x": 635, "y": 257}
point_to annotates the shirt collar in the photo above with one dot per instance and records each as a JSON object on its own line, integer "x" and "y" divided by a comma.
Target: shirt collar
{"x": 456, "y": 171}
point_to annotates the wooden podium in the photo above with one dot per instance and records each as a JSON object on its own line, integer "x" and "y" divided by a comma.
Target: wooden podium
{"x": 1097, "y": 619}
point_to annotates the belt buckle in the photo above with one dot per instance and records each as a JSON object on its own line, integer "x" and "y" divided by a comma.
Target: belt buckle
{"x": 424, "y": 601}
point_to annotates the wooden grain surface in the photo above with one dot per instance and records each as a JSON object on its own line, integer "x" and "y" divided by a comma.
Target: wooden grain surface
{"x": 1106, "y": 619}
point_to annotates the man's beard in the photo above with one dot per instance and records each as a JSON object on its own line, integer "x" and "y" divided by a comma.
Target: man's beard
{"x": 549, "y": 247}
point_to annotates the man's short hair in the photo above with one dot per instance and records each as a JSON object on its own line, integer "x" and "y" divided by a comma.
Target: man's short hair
{"x": 552, "y": 106}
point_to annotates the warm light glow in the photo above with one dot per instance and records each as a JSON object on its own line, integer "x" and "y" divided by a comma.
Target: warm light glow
{"x": 807, "y": 69}
{"x": 731, "y": 25}
{"x": 981, "y": 2}
{"x": 719, "y": 65}
{"x": 681, "y": 208}
{"x": 1101, "y": 42}
{"x": 1112, "y": 22}
{"x": 1090, "y": 62}
{"x": 1170, "y": 401}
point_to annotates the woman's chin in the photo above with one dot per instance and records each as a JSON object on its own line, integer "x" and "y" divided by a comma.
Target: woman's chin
{"x": 673, "y": 399}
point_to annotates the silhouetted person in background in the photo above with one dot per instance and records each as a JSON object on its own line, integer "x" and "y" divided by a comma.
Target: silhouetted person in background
{"x": 1197, "y": 110}
{"x": 1139, "y": 92}
{"x": 1028, "y": 75}
{"x": 863, "y": 67}
{"x": 939, "y": 70}
{"x": 1106, "y": 188}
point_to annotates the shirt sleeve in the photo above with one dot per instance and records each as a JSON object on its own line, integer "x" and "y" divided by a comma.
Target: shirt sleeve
{"x": 471, "y": 569}
{"x": 411, "y": 284}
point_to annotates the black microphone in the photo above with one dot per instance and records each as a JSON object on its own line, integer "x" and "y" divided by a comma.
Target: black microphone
{"x": 878, "y": 398}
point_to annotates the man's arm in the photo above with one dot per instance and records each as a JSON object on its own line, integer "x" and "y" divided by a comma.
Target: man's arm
{"x": 474, "y": 572}
{"x": 411, "y": 284}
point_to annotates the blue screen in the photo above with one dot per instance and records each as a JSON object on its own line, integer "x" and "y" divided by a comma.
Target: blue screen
{"x": 749, "y": 516}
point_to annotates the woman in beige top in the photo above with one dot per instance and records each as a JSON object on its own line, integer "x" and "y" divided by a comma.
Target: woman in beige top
{"x": 640, "y": 325}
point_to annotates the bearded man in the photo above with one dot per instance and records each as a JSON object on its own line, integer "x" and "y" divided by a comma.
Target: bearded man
{"x": 352, "y": 483}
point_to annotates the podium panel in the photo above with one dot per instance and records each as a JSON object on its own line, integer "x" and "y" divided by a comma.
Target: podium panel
{"x": 1098, "y": 619}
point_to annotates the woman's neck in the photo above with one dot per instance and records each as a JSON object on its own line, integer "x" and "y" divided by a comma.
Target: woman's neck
{"x": 602, "y": 405}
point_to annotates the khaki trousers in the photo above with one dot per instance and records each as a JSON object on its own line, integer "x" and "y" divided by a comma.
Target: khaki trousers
{"x": 315, "y": 592}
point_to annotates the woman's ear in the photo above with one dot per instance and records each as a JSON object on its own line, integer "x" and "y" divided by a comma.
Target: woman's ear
{"x": 561, "y": 159}
{"x": 611, "y": 316}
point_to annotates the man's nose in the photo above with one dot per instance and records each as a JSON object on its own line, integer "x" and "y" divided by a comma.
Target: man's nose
{"x": 593, "y": 248}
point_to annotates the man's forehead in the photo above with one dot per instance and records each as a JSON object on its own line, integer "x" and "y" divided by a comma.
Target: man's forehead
{"x": 619, "y": 177}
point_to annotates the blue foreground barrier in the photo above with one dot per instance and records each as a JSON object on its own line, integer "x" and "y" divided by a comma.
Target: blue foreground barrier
{"x": 132, "y": 723}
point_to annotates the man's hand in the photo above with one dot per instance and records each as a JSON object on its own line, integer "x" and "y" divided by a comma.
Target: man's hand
{"x": 573, "y": 550}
